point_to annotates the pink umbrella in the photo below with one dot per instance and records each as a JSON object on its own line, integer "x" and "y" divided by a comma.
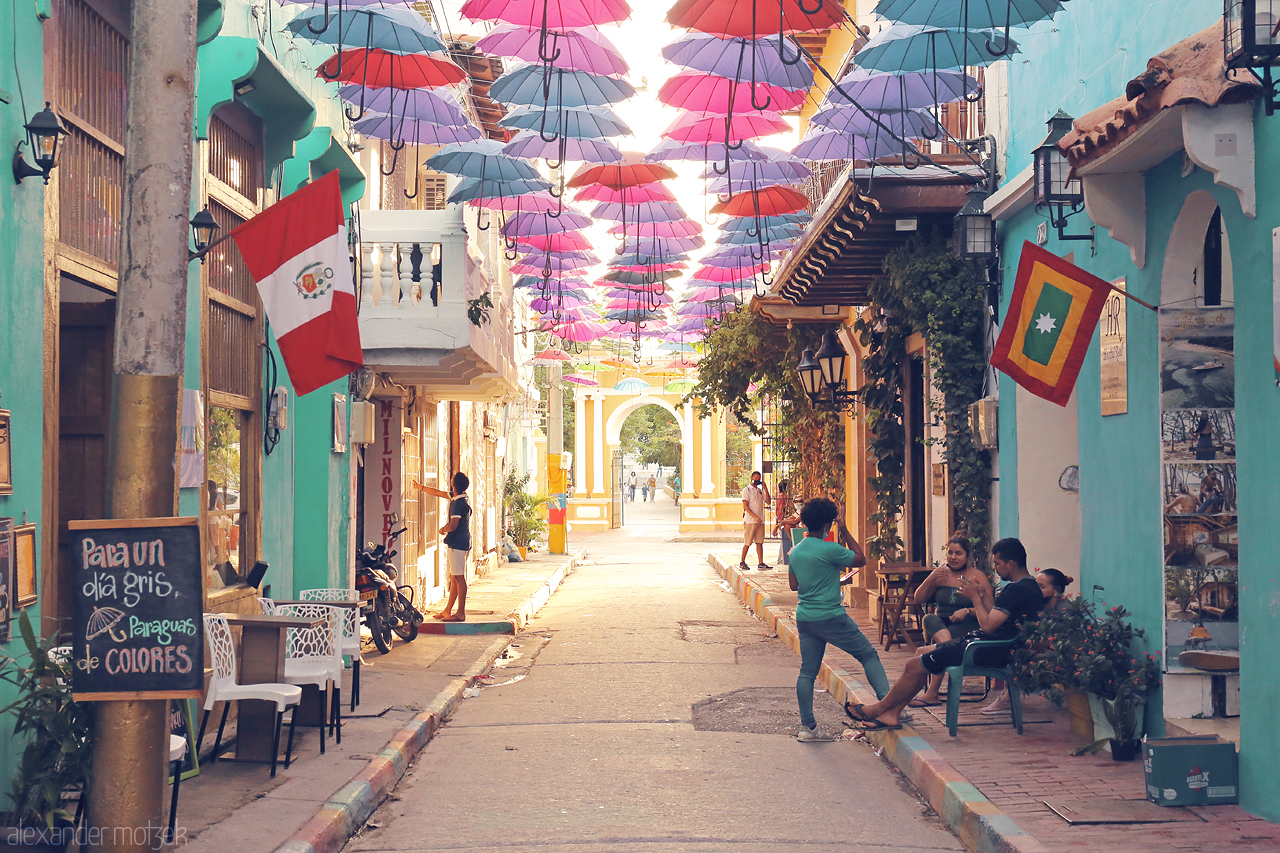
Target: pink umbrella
{"x": 567, "y": 312}
{"x": 728, "y": 273}
{"x": 651, "y": 300}
{"x": 674, "y": 228}
{"x": 543, "y": 304}
{"x": 579, "y": 380}
{"x": 539, "y": 202}
{"x": 577, "y": 331}
{"x": 629, "y": 195}
{"x": 558, "y": 267}
{"x": 553, "y": 14}
{"x": 566, "y": 241}
{"x": 583, "y": 49}
{"x": 550, "y": 356}
{"x": 712, "y": 95}
{"x": 714, "y": 294}
{"x": 693, "y": 127}
{"x": 679, "y": 265}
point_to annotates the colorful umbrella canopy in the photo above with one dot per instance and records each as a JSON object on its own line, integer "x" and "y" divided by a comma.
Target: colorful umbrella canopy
{"x": 550, "y": 356}
{"x": 671, "y": 149}
{"x": 712, "y": 95}
{"x": 561, "y": 242}
{"x": 475, "y": 189}
{"x": 628, "y": 277}
{"x": 702, "y": 129}
{"x": 439, "y": 107}
{"x": 550, "y": 267}
{"x": 381, "y": 69}
{"x": 531, "y": 146}
{"x": 678, "y": 386}
{"x": 395, "y": 28}
{"x": 671, "y": 228}
{"x": 881, "y": 91}
{"x": 631, "y": 171}
{"x": 566, "y": 284}
{"x": 848, "y": 119}
{"x": 540, "y": 224}
{"x": 524, "y": 85}
{"x": 577, "y": 331}
{"x": 482, "y": 158}
{"x": 821, "y": 145}
{"x": 631, "y": 195}
{"x": 971, "y": 14}
{"x": 649, "y": 211}
{"x": 579, "y": 380}
{"x": 717, "y": 274}
{"x": 750, "y": 224}
{"x": 769, "y": 201}
{"x": 907, "y": 47}
{"x": 784, "y": 169}
{"x": 582, "y": 49}
{"x": 539, "y": 202}
{"x": 731, "y": 57}
{"x": 752, "y": 19}
{"x": 574, "y": 122}
{"x": 415, "y": 131}
{"x": 552, "y": 14}
{"x": 631, "y": 384}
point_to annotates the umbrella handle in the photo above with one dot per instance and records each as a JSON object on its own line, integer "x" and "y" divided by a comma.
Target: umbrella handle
{"x": 337, "y": 72}
{"x": 311, "y": 25}
{"x": 974, "y": 96}
{"x": 415, "y": 186}
{"x": 805, "y": 9}
{"x": 542, "y": 129}
{"x": 782, "y": 44}
{"x": 936, "y": 127}
{"x": 394, "y": 160}
{"x": 542, "y": 39}
{"x": 1006, "y": 47}
{"x": 479, "y": 213}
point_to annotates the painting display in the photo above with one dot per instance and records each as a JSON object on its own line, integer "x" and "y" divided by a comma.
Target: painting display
{"x": 24, "y": 565}
{"x": 1198, "y": 481}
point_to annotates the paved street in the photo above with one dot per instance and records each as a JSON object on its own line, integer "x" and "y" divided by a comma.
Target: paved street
{"x": 646, "y": 709}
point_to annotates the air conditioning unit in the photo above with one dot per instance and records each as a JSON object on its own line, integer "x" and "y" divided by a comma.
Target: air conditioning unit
{"x": 984, "y": 423}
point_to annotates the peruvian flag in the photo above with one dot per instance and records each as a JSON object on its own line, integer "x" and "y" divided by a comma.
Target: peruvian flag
{"x": 296, "y": 250}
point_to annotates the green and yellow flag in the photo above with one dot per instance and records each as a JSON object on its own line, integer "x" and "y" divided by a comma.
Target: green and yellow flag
{"x": 1050, "y": 321}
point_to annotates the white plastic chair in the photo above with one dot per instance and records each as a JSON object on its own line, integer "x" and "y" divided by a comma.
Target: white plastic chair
{"x": 223, "y": 688}
{"x": 314, "y": 656}
{"x": 349, "y": 620}
{"x": 268, "y": 606}
{"x": 177, "y": 752}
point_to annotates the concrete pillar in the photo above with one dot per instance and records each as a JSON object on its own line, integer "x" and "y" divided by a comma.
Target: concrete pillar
{"x": 597, "y": 426}
{"x": 686, "y": 473}
{"x": 579, "y": 442}
{"x": 708, "y": 481}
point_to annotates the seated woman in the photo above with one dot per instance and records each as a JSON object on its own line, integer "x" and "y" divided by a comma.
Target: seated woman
{"x": 954, "y": 617}
{"x": 1053, "y": 584}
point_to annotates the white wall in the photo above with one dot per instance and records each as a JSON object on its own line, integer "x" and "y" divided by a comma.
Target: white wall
{"x": 1048, "y": 516}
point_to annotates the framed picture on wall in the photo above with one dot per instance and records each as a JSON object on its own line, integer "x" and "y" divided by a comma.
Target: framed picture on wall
{"x": 6, "y": 575}
{"x": 24, "y": 565}
{"x": 6, "y": 454}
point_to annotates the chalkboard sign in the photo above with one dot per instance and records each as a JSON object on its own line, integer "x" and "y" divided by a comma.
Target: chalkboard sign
{"x": 138, "y": 629}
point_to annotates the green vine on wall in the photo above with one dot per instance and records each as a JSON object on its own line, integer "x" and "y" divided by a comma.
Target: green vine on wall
{"x": 927, "y": 291}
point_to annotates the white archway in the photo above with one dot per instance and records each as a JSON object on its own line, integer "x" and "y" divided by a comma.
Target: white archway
{"x": 1184, "y": 254}
{"x": 613, "y": 426}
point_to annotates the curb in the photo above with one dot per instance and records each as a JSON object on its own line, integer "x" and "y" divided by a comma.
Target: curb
{"x": 978, "y": 822}
{"x": 352, "y": 804}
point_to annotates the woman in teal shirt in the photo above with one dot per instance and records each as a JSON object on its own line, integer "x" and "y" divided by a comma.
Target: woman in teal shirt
{"x": 814, "y": 571}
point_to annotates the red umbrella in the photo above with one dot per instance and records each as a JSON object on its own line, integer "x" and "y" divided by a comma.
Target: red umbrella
{"x": 770, "y": 201}
{"x": 631, "y": 172}
{"x": 755, "y": 18}
{"x": 627, "y": 195}
{"x": 381, "y": 69}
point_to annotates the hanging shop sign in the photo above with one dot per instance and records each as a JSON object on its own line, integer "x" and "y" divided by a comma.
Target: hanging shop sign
{"x": 1114, "y": 352}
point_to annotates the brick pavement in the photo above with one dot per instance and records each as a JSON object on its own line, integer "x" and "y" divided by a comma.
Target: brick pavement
{"x": 1014, "y": 774}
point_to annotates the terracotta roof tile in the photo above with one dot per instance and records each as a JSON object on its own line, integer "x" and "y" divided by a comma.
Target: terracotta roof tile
{"x": 1190, "y": 72}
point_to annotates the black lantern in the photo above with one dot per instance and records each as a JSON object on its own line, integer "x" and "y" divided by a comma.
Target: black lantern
{"x": 810, "y": 375}
{"x": 974, "y": 231}
{"x": 1055, "y": 188}
{"x": 44, "y": 132}
{"x": 203, "y": 227}
{"x": 831, "y": 358}
{"x": 1251, "y": 39}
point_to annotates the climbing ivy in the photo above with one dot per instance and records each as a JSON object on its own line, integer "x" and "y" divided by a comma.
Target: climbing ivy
{"x": 746, "y": 349}
{"x": 926, "y": 290}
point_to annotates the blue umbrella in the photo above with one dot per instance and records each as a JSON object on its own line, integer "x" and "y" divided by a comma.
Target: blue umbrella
{"x": 474, "y": 189}
{"x": 482, "y": 158}
{"x": 631, "y": 384}
{"x": 908, "y": 47}
{"x": 397, "y": 29}
{"x": 575, "y": 122}
{"x": 750, "y": 223}
{"x": 970, "y": 15}
{"x": 532, "y": 84}
{"x": 767, "y": 235}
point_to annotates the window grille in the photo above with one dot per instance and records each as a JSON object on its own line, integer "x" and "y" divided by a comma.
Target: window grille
{"x": 234, "y": 160}
{"x": 434, "y": 190}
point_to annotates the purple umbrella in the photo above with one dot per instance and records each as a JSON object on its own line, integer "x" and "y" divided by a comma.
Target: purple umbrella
{"x": 659, "y": 246}
{"x": 786, "y": 169}
{"x": 824, "y": 146}
{"x": 673, "y": 228}
{"x": 649, "y": 211}
{"x": 688, "y": 325}
{"x": 438, "y": 107}
{"x": 583, "y": 49}
{"x": 398, "y": 129}
{"x": 530, "y": 146}
{"x": 715, "y": 152}
{"x": 850, "y": 120}
{"x": 733, "y": 57}
{"x": 880, "y": 91}
{"x": 540, "y": 224}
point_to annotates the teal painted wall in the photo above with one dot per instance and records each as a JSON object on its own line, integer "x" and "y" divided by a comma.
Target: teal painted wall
{"x": 22, "y": 361}
{"x": 1078, "y": 62}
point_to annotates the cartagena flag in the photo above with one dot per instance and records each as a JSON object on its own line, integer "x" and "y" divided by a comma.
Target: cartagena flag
{"x": 1050, "y": 321}
{"x": 296, "y": 251}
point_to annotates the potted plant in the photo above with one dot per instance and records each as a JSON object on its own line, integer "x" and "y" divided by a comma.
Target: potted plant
{"x": 526, "y": 520}
{"x": 58, "y": 735}
{"x": 1072, "y": 652}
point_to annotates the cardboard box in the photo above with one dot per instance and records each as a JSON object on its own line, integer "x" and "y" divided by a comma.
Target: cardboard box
{"x": 1190, "y": 771}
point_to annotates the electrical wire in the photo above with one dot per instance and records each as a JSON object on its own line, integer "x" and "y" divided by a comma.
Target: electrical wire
{"x": 270, "y": 432}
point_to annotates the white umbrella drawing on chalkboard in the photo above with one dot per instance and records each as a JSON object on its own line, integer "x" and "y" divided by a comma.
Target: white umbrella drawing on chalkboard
{"x": 104, "y": 619}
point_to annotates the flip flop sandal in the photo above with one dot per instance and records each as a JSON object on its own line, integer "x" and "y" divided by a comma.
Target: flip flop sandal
{"x": 854, "y": 712}
{"x": 877, "y": 726}
{"x": 923, "y": 703}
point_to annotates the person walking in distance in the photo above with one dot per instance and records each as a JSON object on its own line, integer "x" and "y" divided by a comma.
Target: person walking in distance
{"x": 457, "y": 540}
{"x": 814, "y": 571}
{"x": 631, "y": 487}
{"x": 754, "y": 499}
{"x": 653, "y": 488}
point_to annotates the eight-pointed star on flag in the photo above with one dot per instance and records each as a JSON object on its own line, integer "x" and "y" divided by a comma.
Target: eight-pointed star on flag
{"x": 1045, "y": 323}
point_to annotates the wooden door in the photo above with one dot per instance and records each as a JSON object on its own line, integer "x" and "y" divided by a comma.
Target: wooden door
{"x": 86, "y": 342}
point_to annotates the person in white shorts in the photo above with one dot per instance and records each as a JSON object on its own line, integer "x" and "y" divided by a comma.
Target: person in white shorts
{"x": 457, "y": 540}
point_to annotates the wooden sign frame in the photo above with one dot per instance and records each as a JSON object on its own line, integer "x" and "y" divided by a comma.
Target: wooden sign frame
{"x": 197, "y": 658}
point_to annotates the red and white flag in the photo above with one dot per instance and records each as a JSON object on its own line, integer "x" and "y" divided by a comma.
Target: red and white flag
{"x": 296, "y": 250}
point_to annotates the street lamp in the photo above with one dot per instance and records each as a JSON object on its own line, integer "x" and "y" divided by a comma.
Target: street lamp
{"x": 1251, "y": 39}
{"x": 810, "y": 375}
{"x": 203, "y": 227}
{"x": 1054, "y": 186}
{"x": 43, "y": 134}
{"x": 824, "y": 371}
{"x": 831, "y": 357}
{"x": 974, "y": 230}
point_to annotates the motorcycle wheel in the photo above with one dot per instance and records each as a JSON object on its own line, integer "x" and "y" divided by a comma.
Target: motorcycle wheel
{"x": 408, "y": 616}
{"x": 378, "y": 625}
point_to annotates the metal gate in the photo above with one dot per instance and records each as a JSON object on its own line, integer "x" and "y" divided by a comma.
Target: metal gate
{"x": 776, "y": 450}
{"x": 616, "y": 496}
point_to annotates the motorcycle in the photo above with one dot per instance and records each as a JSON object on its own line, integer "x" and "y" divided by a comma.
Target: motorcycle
{"x": 386, "y": 606}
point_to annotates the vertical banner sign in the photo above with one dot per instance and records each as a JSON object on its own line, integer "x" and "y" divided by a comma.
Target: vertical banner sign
{"x": 137, "y": 629}
{"x": 1114, "y": 351}
{"x": 383, "y": 470}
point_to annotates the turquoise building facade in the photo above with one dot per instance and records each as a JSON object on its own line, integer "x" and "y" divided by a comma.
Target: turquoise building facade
{"x": 1185, "y": 218}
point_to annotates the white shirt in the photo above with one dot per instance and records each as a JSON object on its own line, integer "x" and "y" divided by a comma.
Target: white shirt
{"x": 754, "y": 498}
{"x": 632, "y": 482}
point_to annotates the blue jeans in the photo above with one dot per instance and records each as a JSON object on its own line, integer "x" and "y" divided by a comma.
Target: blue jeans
{"x": 843, "y": 633}
{"x": 786, "y": 545}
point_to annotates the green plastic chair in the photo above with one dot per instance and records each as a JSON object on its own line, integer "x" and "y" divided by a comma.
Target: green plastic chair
{"x": 956, "y": 676}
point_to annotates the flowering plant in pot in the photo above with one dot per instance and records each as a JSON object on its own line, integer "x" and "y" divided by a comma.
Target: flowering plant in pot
{"x": 526, "y": 520}
{"x": 1071, "y": 648}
